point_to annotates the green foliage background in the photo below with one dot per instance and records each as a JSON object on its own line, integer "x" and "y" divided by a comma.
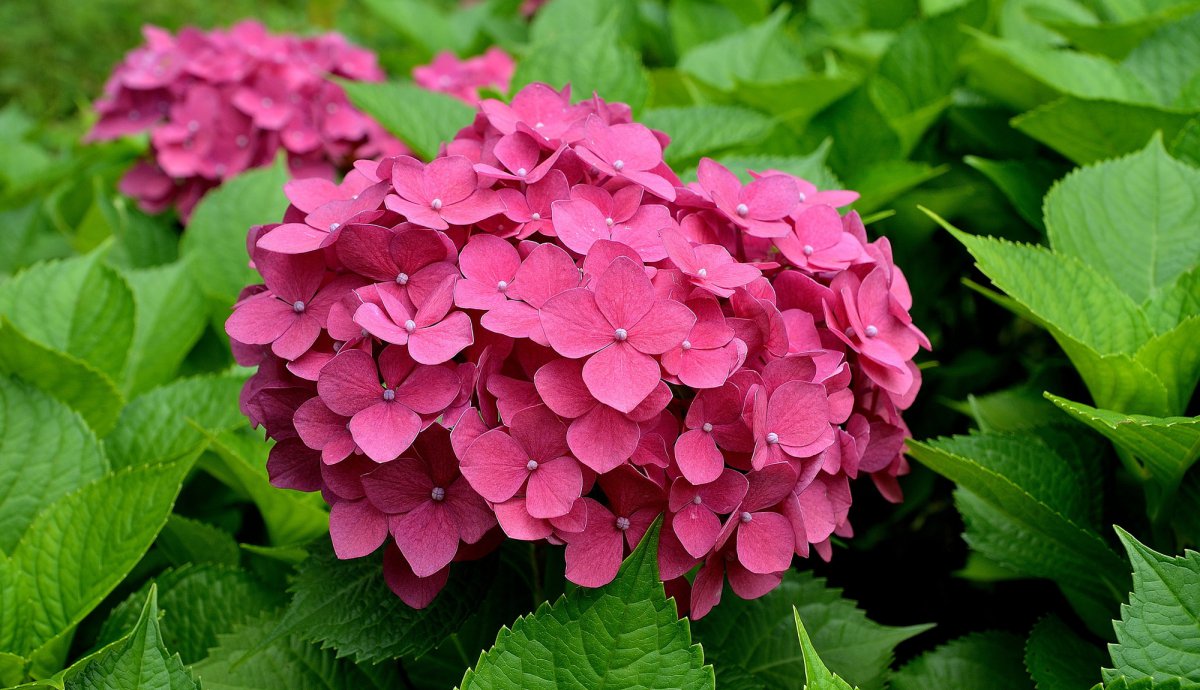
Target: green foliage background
{"x": 1033, "y": 163}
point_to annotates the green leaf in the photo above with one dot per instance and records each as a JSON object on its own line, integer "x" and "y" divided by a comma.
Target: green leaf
{"x": 239, "y": 460}
{"x": 67, "y": 378}
{"x": 1114, "y": 39}
{"x": 199, "y": 602}
{"x": 161, "y": 425}
{"x": 706, "y": 130}
{"x": 12, "y": 669}
{"x": 560, "y": 20}
{"x": 46, "y": 452}
{"x": 762, "y": 53}
{"x": 816, "y": 674}
{"x": 81, "y": 546}
{"x": 1158, "y": 635}
{"x": 1058, "y": 659}
{"x": 1168, "y": 59}
{"x": 795, "y": 101}
{"x": 1089, "y": 214}
{"x": 1087, "y": 130}
{"x": 424, "y": 23}
{"x": 347, "y": 606}
{"x": 1174, "y": 304}
{"x": 1027, "y": 509}
{"x": 76, "y": 306}
{"x": 291, "y": 663}
{"x": 758, "y": 636}
{"x": 1123, "y": 683}
{"x": 1025, "y": 77}
{"x": 140, "y": 240}
{"x": 184, "y": 540}
{"x": 1167, "y": 447}
{"x": 980, "y": 661}
{"x": 598, "y": 61}
{"x": 1175, "y": 360}
{"x": 215, "y": 241}
{"x": 141, "y": 663}
{"x": 171, "y": 315}
{"x": 625, "y": 634}
{"x": 881, "y": 183}
{"x": 421, "y": 118}
{"x": 1023, "y": 183}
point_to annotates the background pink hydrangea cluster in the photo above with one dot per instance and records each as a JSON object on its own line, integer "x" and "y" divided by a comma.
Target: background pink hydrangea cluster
{"x": 219, "y": 102}
{"x": 544, "y": 334}
{"x": 464, "y": 78}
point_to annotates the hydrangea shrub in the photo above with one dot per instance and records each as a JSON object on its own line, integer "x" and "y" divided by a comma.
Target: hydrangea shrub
{"x": 544, "y": 334}
{"x": 219, "y": 102}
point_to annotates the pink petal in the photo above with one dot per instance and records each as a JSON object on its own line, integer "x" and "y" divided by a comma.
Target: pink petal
{"x": 489, "y": 259}
{"x": 560, "y": 385}
{"x": 357, "y": 528}
{"x": 450, "y": 179}
{"x": 724, "y": 494}
{"x": 470, "y": 513}
{"x": 428, "y": 389}
{"x": 427, "y": 537}
{"x": 350, "y": 383}
{"x": 385, "y": 430}
{"x": 440, "y": 342}
{"x": 663, "y": 327}
{"x": 748, "y": 585}
{"x": 698, "y": 458}
{"x": 298, "y": 338}
{"x": 624, "y": 295}
{"x": 378, "y": 324}
{"x": 706, "y": 588}
{"x": 706, "y": 368}
{"x": 594, "y": 555}
{"x": 547, "y": 271}
{"x": 398, "y": 486}
{"x": 620, "y": 376}
{"x": 495, "y": 466}
{"x": 574, "y": 325}
{"x": 484, "y": 203}
{"x": 417, "y": 592}
{"x": 540, "y": 432}
{"x": 260, "y": 319}
{"x": 293, "y": 238}
{"x": 771, "y": 197}
{"x": 765, "y": 543}
{"x": 603, "y": 438}
{"x": 292, "y": 465}
{"x": 553, "y": 488}
{"x": 798, "y": 412}
{"x": 697, "y": 529}
{"x": 517, "y": 523}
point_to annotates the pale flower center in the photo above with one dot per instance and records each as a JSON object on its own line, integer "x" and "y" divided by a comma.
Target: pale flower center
{"x": 436, "y": 204}
{"x": 522, "y": 172}
{"x": 746, "y": 517}
{"x": 438, "y": 493}
{"x": 622, "y": 523}
{"x": 502, "y": 285}
{"x": 802, "y": 197}
{"x": 535, "y": 216}
{"x": 620, "y": 334}
{"x": 772, "y": 437}
{"x": 268, "y": 103}
{"x": 531, "y": 465}
{"x": 686, "y": 345}
{"x": 697, "y": 500}
{"x": 334, "y": 226}
{"x": 410, "y": 325}
{"x": 707, "y": 428}
{"x": 298, "y": 307}
{"x": 808, "y": 250}
{"x": 871, "y": 331}
{"x": 742, "y": 210}
{"x": 389, "y": 395}
{"x": 608, "y": 222}
{"x": 402, "y": 278}
{"x": 703, "y": 273}
{"x": 618, "y": 165}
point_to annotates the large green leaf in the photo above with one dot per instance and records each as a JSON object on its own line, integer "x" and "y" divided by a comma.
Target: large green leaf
{"x": 46, "y": 451}
{"x": 980, "y": 661}
{"x": 290, "y": 663}
{"x": 1058, "y": 659}
{"x": 762, "y": 53}
{"x": 184, "y": 540}
{"x": 215, "y": 241}
{"x": 1166, "y": 447}
{"x": 347, "y": 606}
{"x": 1023, "y": 183}
{"x": 1158, "y": 635}
{"x": 79, "y": 548}
{"x": 1024, "y": 506}
{"x": 70, "y": 379}
{"x": 626, "y": 634}
{"x": 76, "y": 306}
{"x": 816, "y": 675}
{"x": 599, "y": 63}
{"x": 1090, "y": 214}
{"x": 706, "y": 130}
{"x": 1175, "y": 360}
{"x": 1114, "y": 39}
{"x": 171, "y": 315}
{"x": 1087, "y": 130}
{"x": 199, "y": 603}
{"x": 1167, "y": 60}
{"x": 421, "y": 118}
{"x": 142, "y": 662}
{"x": 758, "y": 636}
{"x": 1175, "y": 303}
{"x": 169, "y": 421}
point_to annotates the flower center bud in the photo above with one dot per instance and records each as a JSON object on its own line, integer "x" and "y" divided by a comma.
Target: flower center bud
{"x": 618, "y": 165}
{"x": 745, "y": 517}
{"x": 438, "y": 493}
{"x": 363, "y": 333}
{"x": 849, "y": 331}
{"x": 298, "y": 307}
{"x": 703, "y": 273}
{"x": 808, "y": 250}
{"x": 389, "y": 395}
{"x": 772, "y": 438}
{"x": 337, "y": 345}
{"x": 502, "y": 285}
{"x": 687, "y": 345}
{"x": 193, "y": 126}
{"x": 620, "y": 334}
{"x": 268, "y": 103}
{"x": 220, "y": 170}
{"x": 535, "y": 216}
{"x": 402, "y": 278}
{"x": 436, "y": 204}
{"x": 742, "y": 210}
{"x": 871, "y": 331}
{"x": 522, "y": 172}
{"x": 531, "y": 465}
{"x": 707, "y": 427}
{"x": 802, "y": 197}
{"x": 334, "y": 226}
{"x": 622, "y": 523}
{"x": 242, "y": 141}
{"x": 539, "y": 125}
{"x": 608, "y": 222}
{"x": 410, "y": 325}
{"x": 697, "y": 500}
{"x": 331, "y": 108}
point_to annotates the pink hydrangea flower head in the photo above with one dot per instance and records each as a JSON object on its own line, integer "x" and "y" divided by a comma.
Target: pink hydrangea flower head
{"x": 543, "y": 335}
{"x": 220, "y": 102}
{"x": 464, "y": 78}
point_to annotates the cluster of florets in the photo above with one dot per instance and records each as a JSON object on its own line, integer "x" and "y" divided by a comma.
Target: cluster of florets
{"x": 464, "y": 78}
{"x": 544, "y": 334}
{"x": 219, "y": 102}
